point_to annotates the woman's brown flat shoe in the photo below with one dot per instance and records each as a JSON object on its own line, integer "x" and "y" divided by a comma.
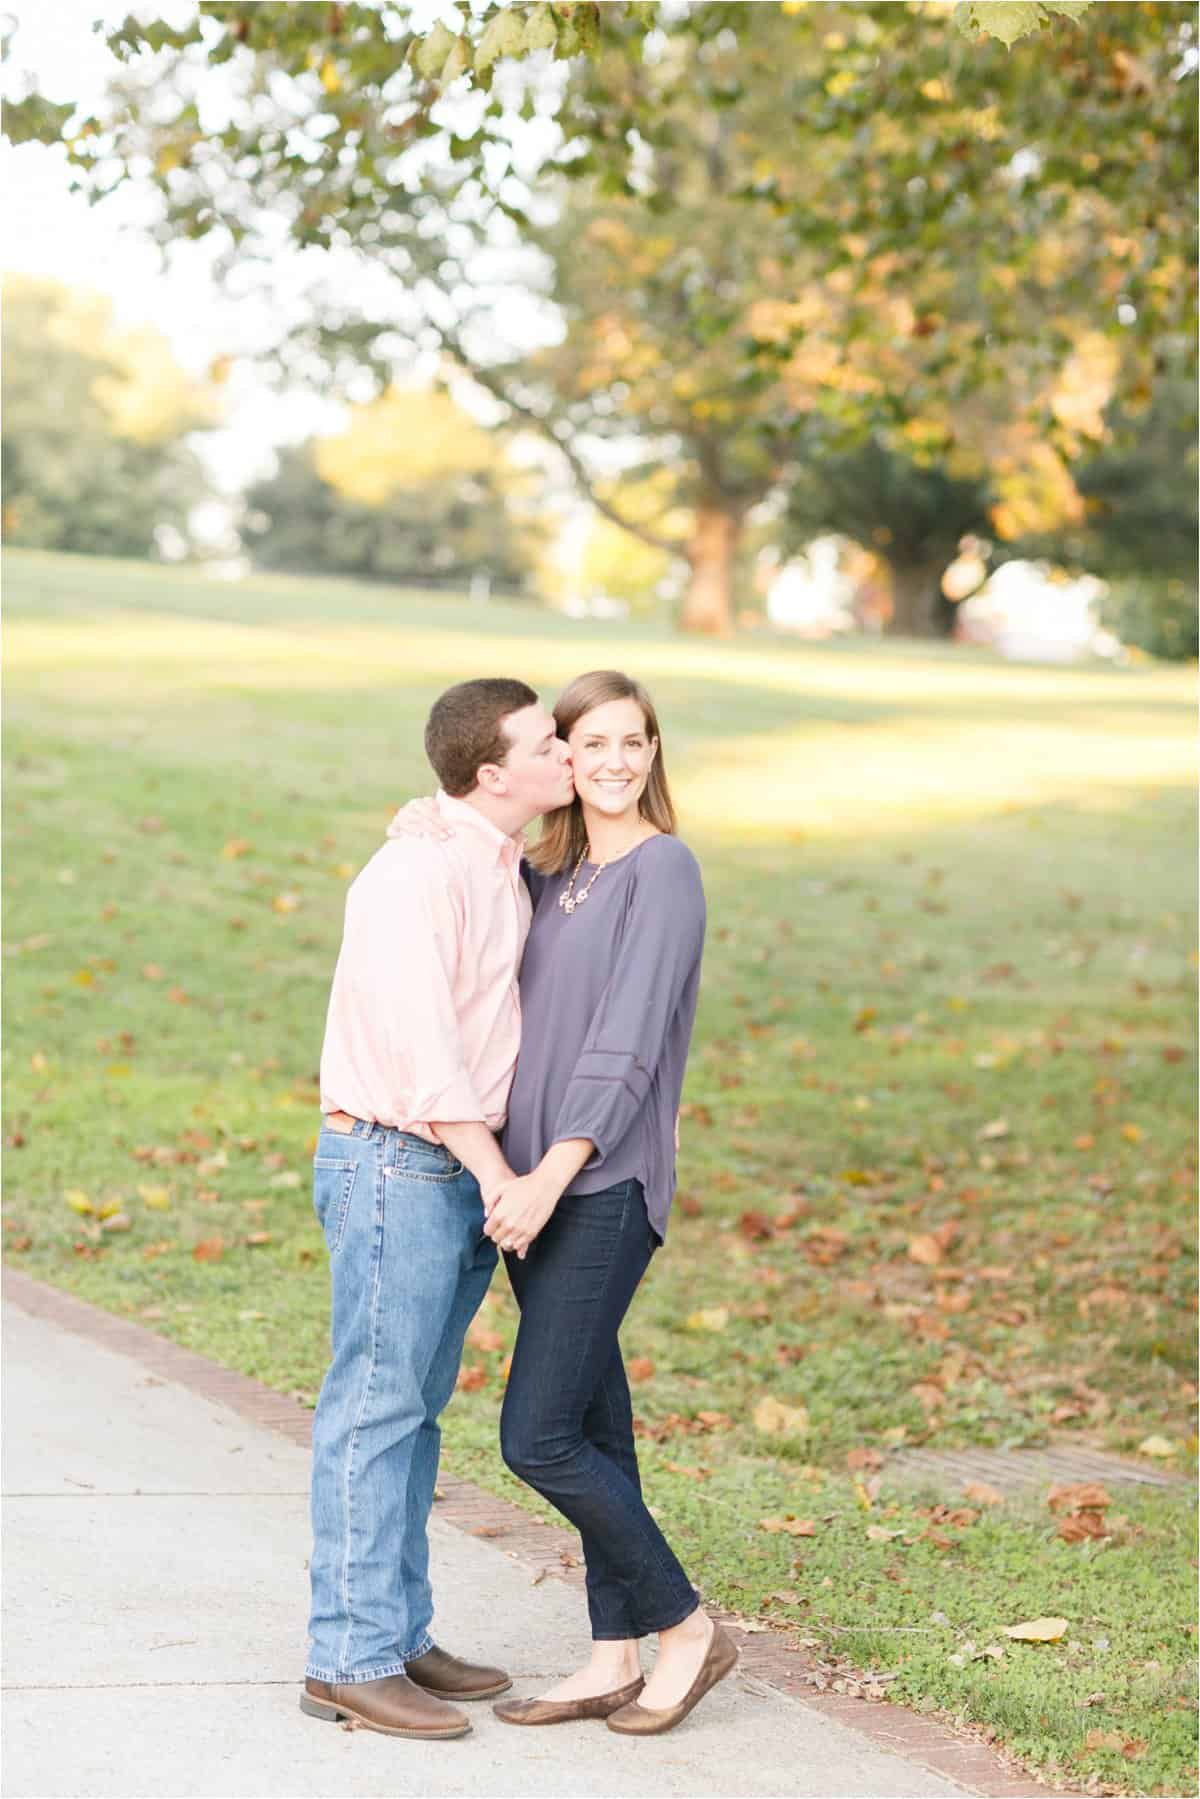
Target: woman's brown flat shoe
{"x": 567, "y": 1711}
{"x": 639, "y": 1721}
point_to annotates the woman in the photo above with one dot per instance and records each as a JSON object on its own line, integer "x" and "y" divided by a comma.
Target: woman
{"x": 608, "y": 996}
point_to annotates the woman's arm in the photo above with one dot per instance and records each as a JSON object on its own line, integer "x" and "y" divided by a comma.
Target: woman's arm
{"x": 519, "y": 1208}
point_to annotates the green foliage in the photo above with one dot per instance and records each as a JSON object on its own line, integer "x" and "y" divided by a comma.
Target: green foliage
{"x": 95, "y": 426}
{"x": 443, "y": 530}
{"x": 1158, "y": 616}
{"x": 948, "y": 982}
{"x": 790, "y": 251}
{"x": 910, "y": 514}
{"x": 1009, "y": 20}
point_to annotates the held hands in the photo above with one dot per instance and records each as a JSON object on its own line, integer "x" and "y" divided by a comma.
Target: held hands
{"x": 518, "y": 1208}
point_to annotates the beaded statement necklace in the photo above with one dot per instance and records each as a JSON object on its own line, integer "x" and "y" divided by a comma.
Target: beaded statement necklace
{"x": 568, "y": 899}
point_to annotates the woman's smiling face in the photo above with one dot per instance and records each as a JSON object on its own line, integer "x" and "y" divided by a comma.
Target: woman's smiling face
{"x": 612, "y": 754}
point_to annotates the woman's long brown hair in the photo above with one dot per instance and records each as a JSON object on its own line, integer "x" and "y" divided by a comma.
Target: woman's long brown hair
{"x": 564, "y": 836}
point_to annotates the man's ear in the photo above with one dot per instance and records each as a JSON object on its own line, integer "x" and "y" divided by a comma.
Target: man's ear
{"x": 493, "y": 779}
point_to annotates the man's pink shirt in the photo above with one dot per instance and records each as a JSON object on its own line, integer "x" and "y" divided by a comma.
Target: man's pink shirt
{"x": 424, "y": 1018}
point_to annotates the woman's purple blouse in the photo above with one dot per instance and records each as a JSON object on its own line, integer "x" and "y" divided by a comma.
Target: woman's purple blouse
{"x": 608, "y": 997}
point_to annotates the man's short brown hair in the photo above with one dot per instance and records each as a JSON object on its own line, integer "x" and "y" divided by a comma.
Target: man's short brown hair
{"x": 466, "y": 729}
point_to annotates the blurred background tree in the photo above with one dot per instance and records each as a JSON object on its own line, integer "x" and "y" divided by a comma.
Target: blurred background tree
{"x": 758, "y": 234}
{"x": 95, "y": 427}
{"x": 413, "y": 489}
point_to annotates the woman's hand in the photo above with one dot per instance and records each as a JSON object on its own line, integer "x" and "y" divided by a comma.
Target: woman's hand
{"x": 518, "y": 1209}
{"x": 420, "y": 818}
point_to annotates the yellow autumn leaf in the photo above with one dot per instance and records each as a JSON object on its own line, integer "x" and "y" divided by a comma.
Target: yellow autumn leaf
{"x": 1132, "y": 1133}
{"x": 775, "y": 1419}
{"x": 157, "y": 1198}
{"x": 237, "y": 846}
{"x": 1156, "y": 1446}
{"x": 715, "y": 1318}
{"x": 1038, "y": 1630}
{"x": 79, "y": 1202}
{"x": 109, "y": 1209}
{"x": 285, "y": 902}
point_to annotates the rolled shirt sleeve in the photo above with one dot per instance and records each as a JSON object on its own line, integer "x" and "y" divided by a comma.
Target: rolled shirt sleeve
{"x": 661, "y": 944}
{"x": 399, "y": 966}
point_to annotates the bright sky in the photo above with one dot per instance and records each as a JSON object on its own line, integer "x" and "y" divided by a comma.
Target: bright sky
{"x": 47, "y": 230}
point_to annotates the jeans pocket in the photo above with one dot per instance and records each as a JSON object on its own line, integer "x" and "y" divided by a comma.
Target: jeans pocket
{"x": 419, "y": 1161}
{"x": 333, "y": 1186}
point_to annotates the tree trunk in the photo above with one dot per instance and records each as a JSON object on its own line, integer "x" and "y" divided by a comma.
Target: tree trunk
{"x": 916, "y": 597}
{"x": 708, "y": 602}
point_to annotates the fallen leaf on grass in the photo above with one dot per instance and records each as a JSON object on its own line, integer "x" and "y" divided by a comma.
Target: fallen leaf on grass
{"x": 688, "y": 1473}
{"x": 994, "y": 1130}
{"x": 826, "y": 1246}
{"x": 237, "y": 846}
{"x": 258, "y": 1239}
{"x": 982, "y": 1493}
{"x": 756, "y": 1227}
{"x": 1078, "y": 1496}
{"x": 1038, "y": 1630}
{"x": 1083, "y": 1527}
{"x": 879, "y": 1533}
{"x": 480, "y": 1337}
{"x": 285, "y": 902}
{"x": 795, "y": 1527}
{"x": 926, "y": 1250}
{"x": 79, "y": 1202}
{"x": 157, "y": 1198}
{"x": 713, "y": 1318}
{"x": 209, "y": 1249}
{"x": 1161, "y": 1446}
{"x": 116, "y": 1221}
{"x": 640, "y": 1368}
{"x": 774, "y": 1418}
{"x": 471, "y": 1377}
{"x": 864, "y": 1458}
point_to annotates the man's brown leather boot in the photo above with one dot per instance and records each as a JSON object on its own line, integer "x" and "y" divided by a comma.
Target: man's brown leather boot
{"x": 395, "y": 1706}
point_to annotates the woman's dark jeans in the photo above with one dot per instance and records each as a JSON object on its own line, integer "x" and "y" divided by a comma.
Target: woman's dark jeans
{"x": 567, "y": 1424}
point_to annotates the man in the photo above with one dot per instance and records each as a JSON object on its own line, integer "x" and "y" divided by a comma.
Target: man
{"x": 420, "y": 1045}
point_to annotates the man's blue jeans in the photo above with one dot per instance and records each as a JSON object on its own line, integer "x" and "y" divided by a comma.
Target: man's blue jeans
{"x": 409, "y": 1265}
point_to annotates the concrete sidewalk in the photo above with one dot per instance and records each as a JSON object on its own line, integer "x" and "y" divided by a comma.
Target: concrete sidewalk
{"x": 155, "y": 1596}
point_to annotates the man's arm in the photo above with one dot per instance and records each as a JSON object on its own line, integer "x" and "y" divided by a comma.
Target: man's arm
{"x": 402, "y": 951}
{"x": 475, "y": 1146}
{"x": 522, "y": 1205}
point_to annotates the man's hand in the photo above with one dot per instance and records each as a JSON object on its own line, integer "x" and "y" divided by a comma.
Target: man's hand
{"x": 517, "y": 1210}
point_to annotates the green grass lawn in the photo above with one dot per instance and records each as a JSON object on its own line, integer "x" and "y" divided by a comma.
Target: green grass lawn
{"x": 937, "y": 1171}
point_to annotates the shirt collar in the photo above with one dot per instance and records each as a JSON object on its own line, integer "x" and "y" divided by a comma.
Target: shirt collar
{"x": 457, "y": 812}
